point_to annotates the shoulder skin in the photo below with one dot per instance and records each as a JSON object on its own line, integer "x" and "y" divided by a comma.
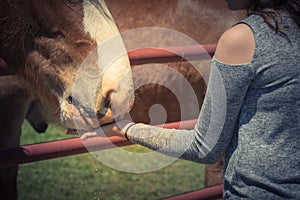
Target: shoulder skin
{"x": 236, "y": 45}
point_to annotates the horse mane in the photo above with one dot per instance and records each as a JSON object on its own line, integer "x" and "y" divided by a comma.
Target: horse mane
{"x": 101, "y": 6}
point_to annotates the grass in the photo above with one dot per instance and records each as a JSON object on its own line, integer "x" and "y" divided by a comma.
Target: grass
{"x": 84, "y": 177}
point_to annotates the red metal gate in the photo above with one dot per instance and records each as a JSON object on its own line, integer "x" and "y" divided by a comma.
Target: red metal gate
{"x": 55, "y": 149}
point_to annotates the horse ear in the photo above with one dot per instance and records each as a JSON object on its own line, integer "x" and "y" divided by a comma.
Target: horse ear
{"x": 5, "y": 70}
{"x": 2, "y": 63}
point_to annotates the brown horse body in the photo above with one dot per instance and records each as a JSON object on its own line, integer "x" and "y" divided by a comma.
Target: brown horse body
{"x": 201, "y": 20}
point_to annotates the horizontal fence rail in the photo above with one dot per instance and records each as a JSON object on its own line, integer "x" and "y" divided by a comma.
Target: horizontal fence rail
{"x": 213, "y": 192}
{"x": 60, "y": 148}
{"x": 55, "y": 149}
{"x": 170, "y": 54}
{"x": 150, "y": 55}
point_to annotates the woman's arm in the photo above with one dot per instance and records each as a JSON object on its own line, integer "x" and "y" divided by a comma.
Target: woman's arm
{"x": 230, "y": 77}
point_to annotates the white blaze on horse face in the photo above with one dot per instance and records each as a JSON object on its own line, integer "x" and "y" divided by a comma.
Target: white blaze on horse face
{"x": 99, "y": 24}
{"x": 115, "y": 73}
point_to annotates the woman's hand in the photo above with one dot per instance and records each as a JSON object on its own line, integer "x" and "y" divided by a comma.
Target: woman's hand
{"x": 114, "y": 129}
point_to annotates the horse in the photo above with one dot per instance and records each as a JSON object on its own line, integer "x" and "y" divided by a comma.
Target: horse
{"x": 50, "y": 43}
{"x": 47, "y": 42}
{"x": 54, "y": 46}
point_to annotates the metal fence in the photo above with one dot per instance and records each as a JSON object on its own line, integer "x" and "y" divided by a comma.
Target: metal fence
{"x": 55, "y": 149}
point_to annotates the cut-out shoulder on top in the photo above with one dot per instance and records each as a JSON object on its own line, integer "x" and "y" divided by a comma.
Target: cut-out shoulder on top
{"x": 236, "y": 46}
{"x": 250, "y": 115}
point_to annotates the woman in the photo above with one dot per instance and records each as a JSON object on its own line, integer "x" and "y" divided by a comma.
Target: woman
{"x": 256, "y": 71}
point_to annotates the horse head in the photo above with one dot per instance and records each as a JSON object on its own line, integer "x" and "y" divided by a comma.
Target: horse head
{"x": 72, "y": 55}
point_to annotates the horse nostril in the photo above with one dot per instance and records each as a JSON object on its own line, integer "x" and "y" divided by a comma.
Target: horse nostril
{"x": 105, "y": 104}
{"x": 107, "y": 99}
{"x": 55, "y": 34}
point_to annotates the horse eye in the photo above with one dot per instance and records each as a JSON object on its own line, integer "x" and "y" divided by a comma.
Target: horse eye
{"x": 70, "y": 99}
{"x": 85, "y": 43}
{"x": 55, "y": 34}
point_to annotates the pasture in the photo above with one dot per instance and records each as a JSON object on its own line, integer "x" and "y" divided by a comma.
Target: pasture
{"x": 83, "y": 177}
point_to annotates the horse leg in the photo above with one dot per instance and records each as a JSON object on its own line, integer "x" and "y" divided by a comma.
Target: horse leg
{"x": 8, "y": 183}
{"x": 10, "y": 136}
{"x": 14, "y": 103}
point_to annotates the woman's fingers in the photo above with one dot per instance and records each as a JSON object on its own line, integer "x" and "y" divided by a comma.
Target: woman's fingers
{"x": 113, "y": 129}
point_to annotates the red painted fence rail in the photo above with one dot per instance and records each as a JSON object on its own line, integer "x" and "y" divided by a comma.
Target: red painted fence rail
{"x": 60, "y": 148}
{"x": 151, "y": 55}
{"x": 213, "y": 192}
{"x": 170, "y": 54}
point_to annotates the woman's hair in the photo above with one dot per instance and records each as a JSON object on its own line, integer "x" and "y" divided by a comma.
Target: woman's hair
{"x": 270, "y": 15}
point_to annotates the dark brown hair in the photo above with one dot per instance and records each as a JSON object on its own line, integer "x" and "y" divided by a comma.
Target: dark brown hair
{"x": 271, "y": 15}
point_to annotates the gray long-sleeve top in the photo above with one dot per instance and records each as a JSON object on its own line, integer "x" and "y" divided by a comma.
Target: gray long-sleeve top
{"x": 250, "y": 115}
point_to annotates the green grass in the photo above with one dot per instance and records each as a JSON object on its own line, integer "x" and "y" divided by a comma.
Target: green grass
{"x": 84, "y": 177}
